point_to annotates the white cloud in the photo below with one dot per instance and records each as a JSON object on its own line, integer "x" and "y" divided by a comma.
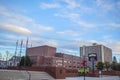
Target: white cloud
{"x": 85, "y": 24}
{"x": 21, "y": 20}
{"x": 107, "y": 37}
{"x": 115, "y": 46}
{"x": 14, "y": 17}
{"x": 49, "y": 5}
{"x": 70, "y": 16}
{"x": 71, "y": 4}
{"x": 50, "y": 42}
{"x": 69, "y": 32}
{"x": 105, "y": 5}
{"x": 15, "y": 28}
{"x": 114, "y": 25}
{"x": 42, "y": 28}
{"x": 75, "y": 17}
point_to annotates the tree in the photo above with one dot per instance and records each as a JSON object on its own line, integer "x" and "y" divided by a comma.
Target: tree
{"x": 114, "y": 60}
{"x": 107, "y": 65}
{"x": 100, "y": 66}
{"x": 113, "y": 66}
{"x": 118, "y": 67}
{"x": 7, "y": 56}
{"x": 25, "y": 61}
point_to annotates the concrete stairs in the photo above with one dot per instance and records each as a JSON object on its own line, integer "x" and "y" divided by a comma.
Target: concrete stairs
{"x": 40, "y": 76}
{"x": 24, "y": 75}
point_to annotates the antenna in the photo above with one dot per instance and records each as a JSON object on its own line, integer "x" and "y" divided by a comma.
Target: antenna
{"x": 21, "y": 47}
{"x": 15, "y": 53}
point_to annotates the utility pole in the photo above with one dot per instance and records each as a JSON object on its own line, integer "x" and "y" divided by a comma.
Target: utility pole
{"x": 15, "y": 53}
{"x": 7, "y": 53}
{"x": 93, "y": 65}
{"x": 21, "y": 47}
{"x": 26, "y": 52}
{"x": 84, "y": 63}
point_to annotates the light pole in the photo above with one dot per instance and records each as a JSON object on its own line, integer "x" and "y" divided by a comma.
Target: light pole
{"x": 84, "y": 63}
{"x": 92, "y": 57}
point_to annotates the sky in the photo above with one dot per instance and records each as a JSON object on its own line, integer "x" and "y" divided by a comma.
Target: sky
{"x": 65, "y": 24}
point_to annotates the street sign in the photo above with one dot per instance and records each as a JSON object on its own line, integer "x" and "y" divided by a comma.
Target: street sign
{"x": 84, "y": 63}
{"x": 92, "y": 57}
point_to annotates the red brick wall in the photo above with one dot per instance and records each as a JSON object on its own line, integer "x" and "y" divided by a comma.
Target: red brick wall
{"x": 112, "y": 73}
{"x": 62, "y": 73}
{"x": 41, "y": 51}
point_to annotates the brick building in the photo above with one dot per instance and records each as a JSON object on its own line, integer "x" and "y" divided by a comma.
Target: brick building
{"x": 47, "y": 56}
{"x": 41, "y": 51}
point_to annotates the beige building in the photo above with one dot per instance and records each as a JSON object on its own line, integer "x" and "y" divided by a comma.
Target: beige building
{"x": 103, "y": 53}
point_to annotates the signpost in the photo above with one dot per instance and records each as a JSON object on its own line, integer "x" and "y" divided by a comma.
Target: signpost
{"x": 100, "y": 74}
{"x": 84, "y": 63}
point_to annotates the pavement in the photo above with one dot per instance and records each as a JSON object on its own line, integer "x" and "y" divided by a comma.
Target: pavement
{"x": 34, "y": 75}
{"x": 96, "y": 78}
{"x": 24, "y": 75}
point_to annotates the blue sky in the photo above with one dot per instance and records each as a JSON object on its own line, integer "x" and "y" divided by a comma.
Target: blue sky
{"x": 66, "y": 24}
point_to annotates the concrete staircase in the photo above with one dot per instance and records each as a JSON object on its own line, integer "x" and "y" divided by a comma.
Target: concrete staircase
{"x": 24, "y": 75}
{"x": 40, "y": 76}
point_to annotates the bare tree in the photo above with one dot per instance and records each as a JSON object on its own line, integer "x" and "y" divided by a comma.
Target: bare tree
{"x": 0, "y": 56}
{"x": 7, "y": 54}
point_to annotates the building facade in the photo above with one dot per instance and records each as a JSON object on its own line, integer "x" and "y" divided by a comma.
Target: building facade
{"x": 47, "y": 56}
{"x": 41, "y": 51}
{"x": 14, "y": 61}
{"x": 104, "y": 54}
{"x": 70, "y": 61}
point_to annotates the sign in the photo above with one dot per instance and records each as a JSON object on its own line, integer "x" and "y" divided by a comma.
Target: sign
{"x": 100, "y": 72}
{"x": 84, "y": 63}
{"x": 92, "y": 56}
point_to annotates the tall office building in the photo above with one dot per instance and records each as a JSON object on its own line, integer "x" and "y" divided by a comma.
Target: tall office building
{"x": 102, "y": 52}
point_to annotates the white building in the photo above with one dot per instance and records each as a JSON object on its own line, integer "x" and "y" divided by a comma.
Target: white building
{"x": 13, "y": 61}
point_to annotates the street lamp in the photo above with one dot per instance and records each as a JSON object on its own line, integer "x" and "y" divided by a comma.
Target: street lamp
{"x": 92, "y": 57}
{"x": 84, "y": 63}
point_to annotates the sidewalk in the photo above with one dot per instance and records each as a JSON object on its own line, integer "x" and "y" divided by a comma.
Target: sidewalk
{"x": 96, "y": 78}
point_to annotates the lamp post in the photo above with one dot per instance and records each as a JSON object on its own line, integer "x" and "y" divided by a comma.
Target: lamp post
{"x": 84, "y": 63}
{"x": 92, "y": 57}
